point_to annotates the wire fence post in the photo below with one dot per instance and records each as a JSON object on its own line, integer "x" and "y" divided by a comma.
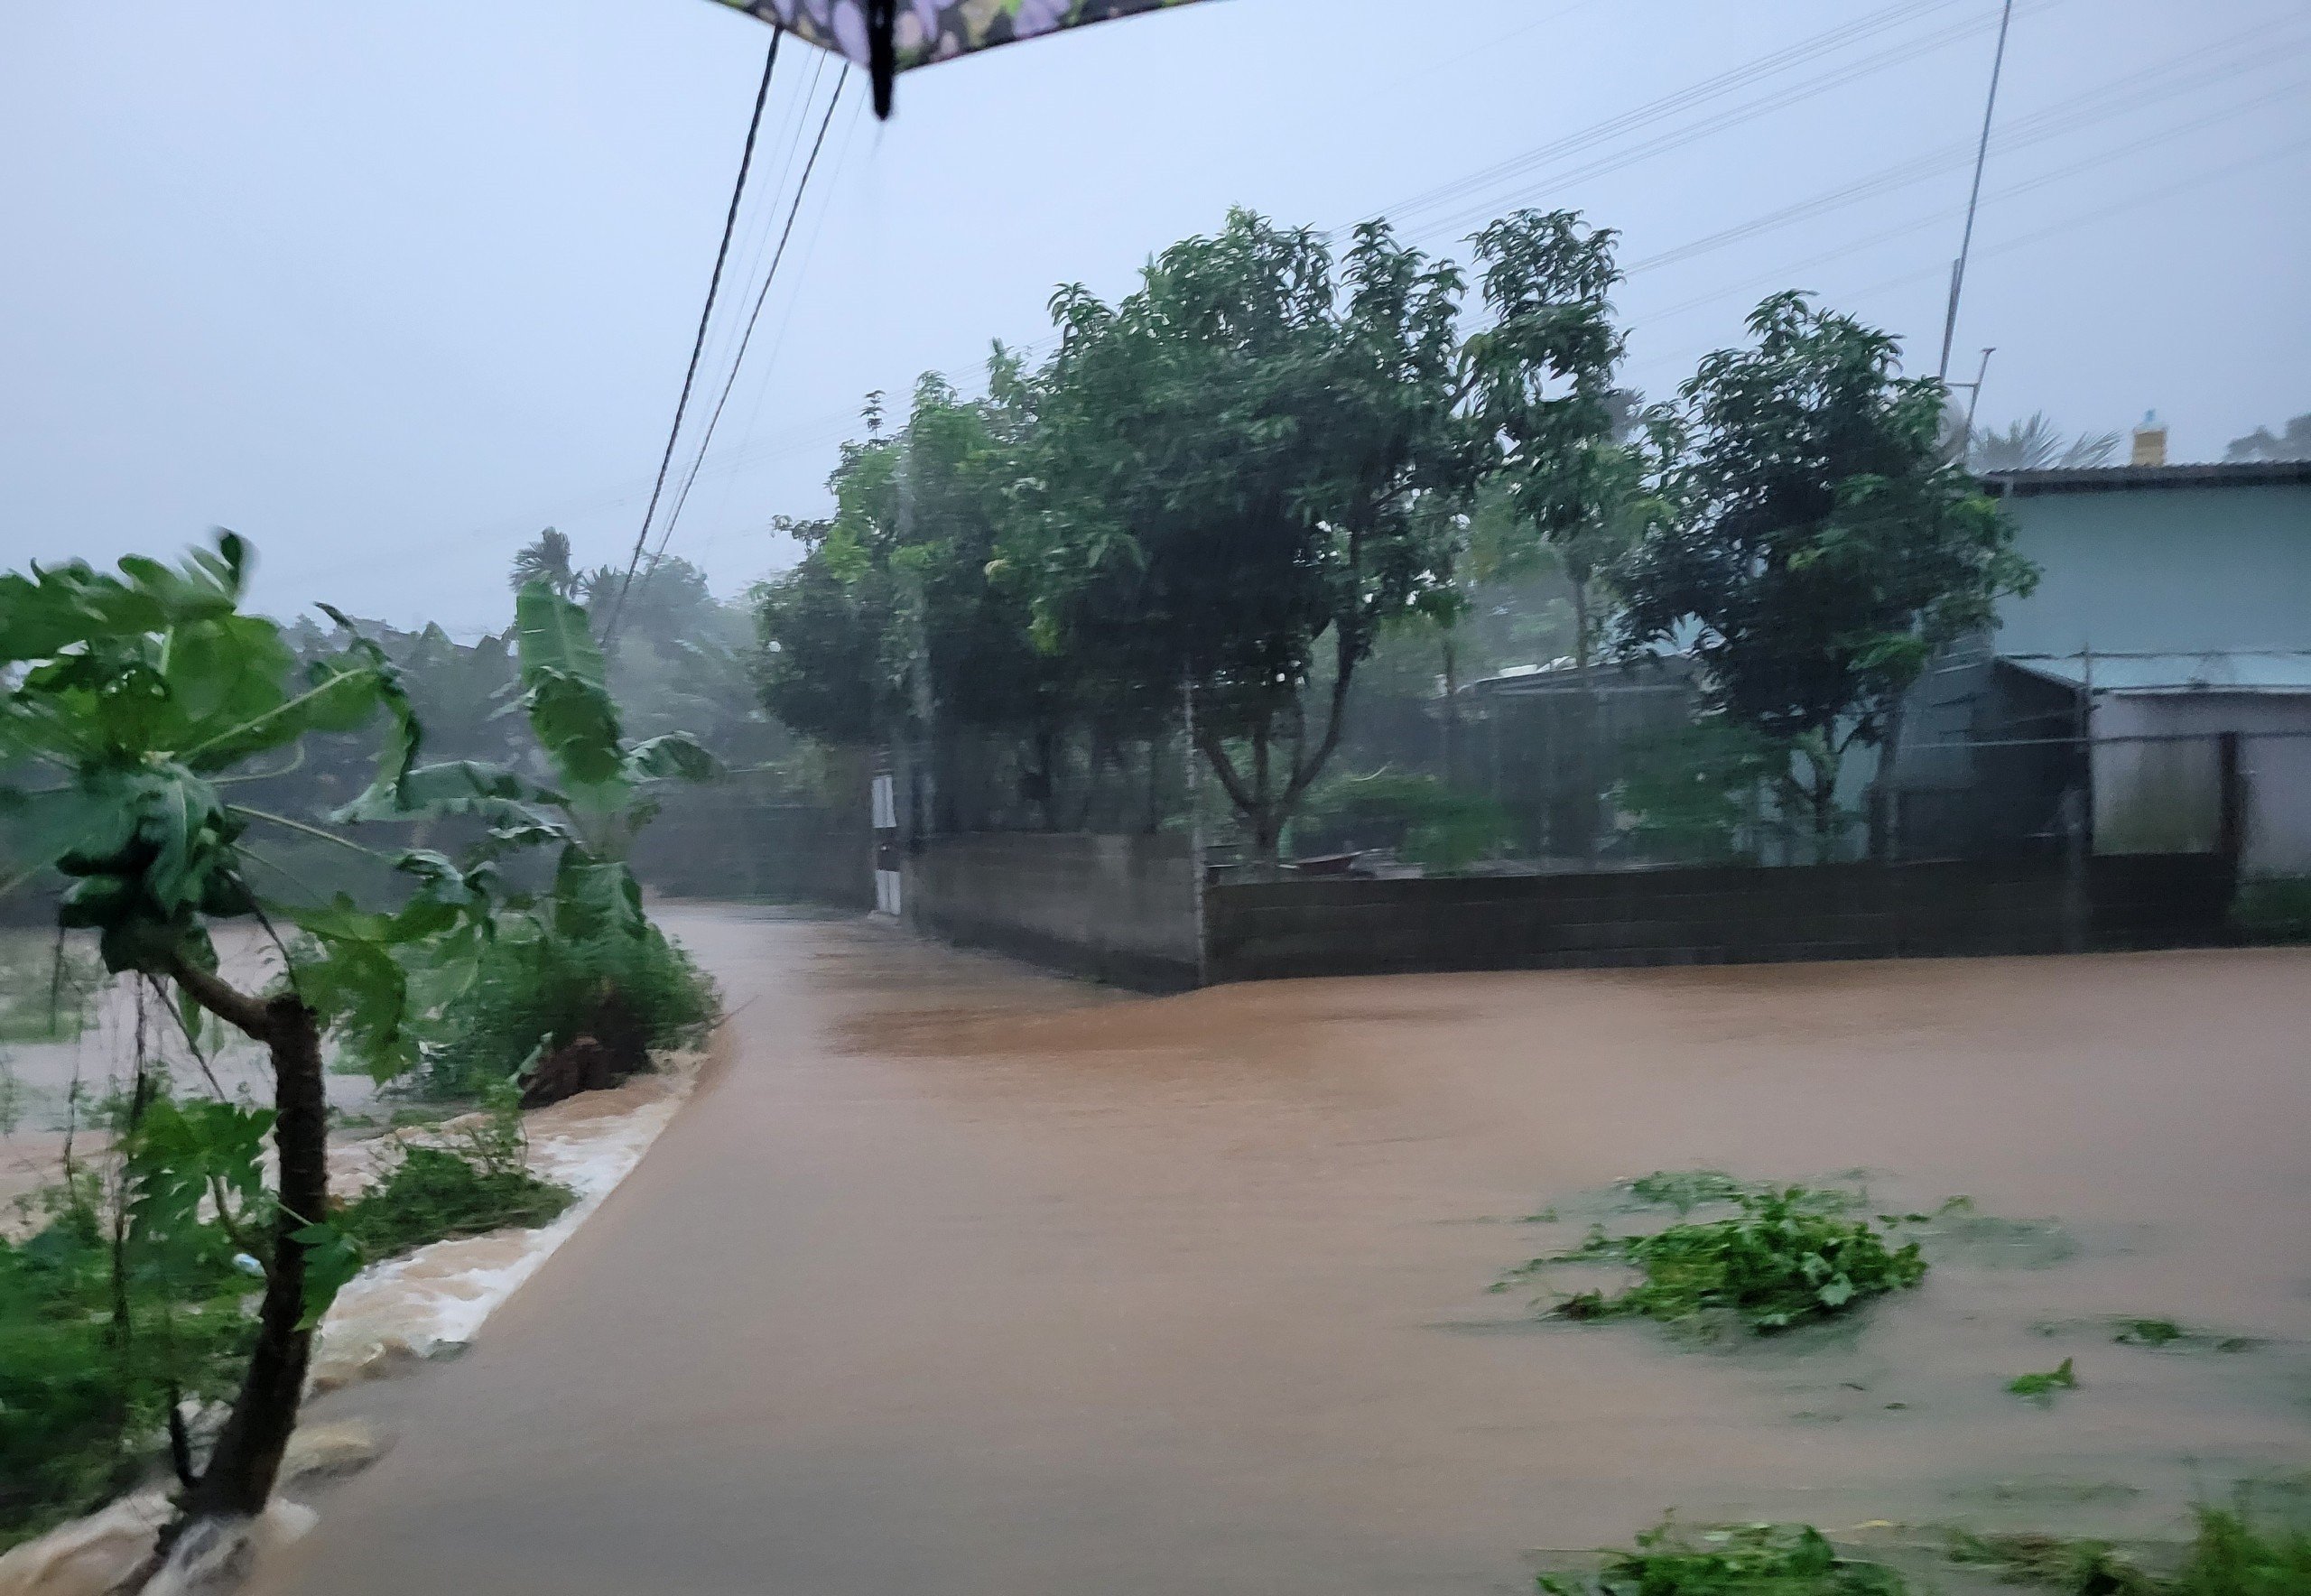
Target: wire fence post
{"x": 1198, "y": 875}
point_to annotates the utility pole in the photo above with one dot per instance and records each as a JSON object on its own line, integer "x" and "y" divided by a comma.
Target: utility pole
{"x": 1973, "y": 202}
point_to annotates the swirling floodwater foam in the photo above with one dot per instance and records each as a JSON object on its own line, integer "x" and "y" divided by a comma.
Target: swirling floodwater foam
{"x": 954, "y": 1275}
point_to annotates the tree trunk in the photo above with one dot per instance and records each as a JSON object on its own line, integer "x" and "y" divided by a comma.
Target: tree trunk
{"x": 1268, "y": 824}
{"x": 1585, "y": 807}
{"x": 1451, "y": 708}
{"x": 1154, "y": 785}
{"x": 242, "y": 1468}
{"x": 1882, "y": 791}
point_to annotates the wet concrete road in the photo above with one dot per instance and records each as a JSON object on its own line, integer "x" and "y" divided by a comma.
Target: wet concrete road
{"x": 958, "y": 1279}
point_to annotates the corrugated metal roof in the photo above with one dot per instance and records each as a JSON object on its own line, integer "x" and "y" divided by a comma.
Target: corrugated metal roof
{"x": 2276, "y": 671}
{"x": 2128, "y": 478}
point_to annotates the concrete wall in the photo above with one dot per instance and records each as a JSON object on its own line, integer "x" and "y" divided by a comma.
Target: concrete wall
{"x": 1120, "y": 909}
{"x": 716, "y": 842}
{"x": 1709, "y": 916}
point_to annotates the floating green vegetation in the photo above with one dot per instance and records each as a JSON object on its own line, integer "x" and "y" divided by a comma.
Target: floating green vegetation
{"x": 1685, "y": 1190}
{"x": 1736, "y": 1560}
{"x": 2165, "y": 1334}
{"x": 481, "y": 1183}
{"x": 1957, "y": 1231}
{"x": 2086, "y": 1568}
{"x": 2062, "y": 1378}
{"x": 1784, "y": 1258}
{"x": 2228, "y": 1556}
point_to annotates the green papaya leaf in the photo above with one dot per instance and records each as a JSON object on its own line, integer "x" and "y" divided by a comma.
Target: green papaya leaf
{"x": 331, "y": 1261}
{"x": 459, "y": 786}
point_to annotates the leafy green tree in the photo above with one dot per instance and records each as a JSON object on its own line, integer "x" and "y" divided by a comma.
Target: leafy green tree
{"x": 1824, "y": 545}
{"x": 822, "y": 626}
{"x": 900, "y": 620}
{"x": 1544, "y": 375}
{"x": 1239, "y": 474}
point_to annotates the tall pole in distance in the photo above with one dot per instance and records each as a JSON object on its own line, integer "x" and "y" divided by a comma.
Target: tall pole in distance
{"x": 1973, "y": 202}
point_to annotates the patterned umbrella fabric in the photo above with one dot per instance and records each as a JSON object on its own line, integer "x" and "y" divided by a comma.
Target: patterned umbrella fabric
{"x": 918, "y": 32}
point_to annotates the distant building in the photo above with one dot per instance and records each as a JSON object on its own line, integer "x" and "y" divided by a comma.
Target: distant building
{"x": 2173, "y": 619}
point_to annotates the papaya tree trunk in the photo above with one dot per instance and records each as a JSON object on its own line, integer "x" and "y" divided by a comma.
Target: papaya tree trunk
{"x": 242, "y": 1468}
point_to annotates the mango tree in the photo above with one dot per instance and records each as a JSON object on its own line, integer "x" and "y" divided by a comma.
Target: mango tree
{"x": 1240, "y": 473}
{"x": 1822, "y": 545}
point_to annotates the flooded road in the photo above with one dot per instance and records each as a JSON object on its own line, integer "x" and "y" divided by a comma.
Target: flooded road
{"x": 960, "y": 1278}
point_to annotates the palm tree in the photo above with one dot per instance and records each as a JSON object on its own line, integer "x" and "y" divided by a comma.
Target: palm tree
{"x": 2037, "y": 445}
{"x": 2262, "y": 444}
{"x": 545, "y": 561}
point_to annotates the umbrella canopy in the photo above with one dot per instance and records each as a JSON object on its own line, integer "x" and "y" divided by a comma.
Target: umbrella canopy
{"x": 889, "y": 36}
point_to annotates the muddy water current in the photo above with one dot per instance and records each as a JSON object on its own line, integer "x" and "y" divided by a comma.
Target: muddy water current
{"x": 957, "y": 1278}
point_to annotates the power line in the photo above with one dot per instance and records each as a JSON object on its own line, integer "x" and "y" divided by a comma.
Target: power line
{"x": 2081, "y": 110}
{"x": 698, "y": 344}
{"x": 786, "y": 234}
{"x": 1667, "y": 105}
{"x": 2287, "y": 91}
{"x": 2132, "y": 202}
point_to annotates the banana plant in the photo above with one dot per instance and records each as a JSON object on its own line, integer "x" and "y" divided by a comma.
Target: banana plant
{"x": 599, "y": 791}
{"x": 130, "y": 704}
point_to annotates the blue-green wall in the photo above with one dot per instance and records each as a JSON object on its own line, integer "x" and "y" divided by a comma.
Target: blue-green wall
{"x": 2164, "y": 571}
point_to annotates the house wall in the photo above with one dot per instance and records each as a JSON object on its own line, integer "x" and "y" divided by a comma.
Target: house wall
{"x": 2166, "y": 796}
{"x": 2171, "y": 570}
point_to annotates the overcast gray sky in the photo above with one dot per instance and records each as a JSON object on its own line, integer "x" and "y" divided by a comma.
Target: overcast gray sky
{"x": 388, "y": 288}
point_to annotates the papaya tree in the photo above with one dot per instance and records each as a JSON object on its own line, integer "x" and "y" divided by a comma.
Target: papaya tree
{"x": 132, "y": 703}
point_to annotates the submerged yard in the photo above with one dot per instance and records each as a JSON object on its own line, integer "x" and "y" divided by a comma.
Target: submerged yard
{"x": 957, "y": 1276}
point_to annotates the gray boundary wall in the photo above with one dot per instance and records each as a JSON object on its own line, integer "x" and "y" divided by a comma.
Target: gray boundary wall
{"x": 1735, "y": 914}
{"x": 1118, "y": 909}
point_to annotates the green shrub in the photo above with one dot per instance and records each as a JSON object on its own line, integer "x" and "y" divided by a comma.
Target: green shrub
{"x": 434, "y": 1193}
{"x": 84, "y": 1394}
{"x": 2231, "y": 1558}
{"x": 1441, "y": 828}
{"x": 1691, "y": 794}
{"x": 480, "y": 1183}
{"x": 2083, "y": 1567}
{"x": 1786, "y": 1257}
{"x": 1739, "y": 1560}
{"x": 2274, "y": 909}
{"x": 631, "y": 992}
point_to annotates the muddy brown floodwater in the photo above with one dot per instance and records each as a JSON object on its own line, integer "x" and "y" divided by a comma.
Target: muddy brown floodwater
{"x": 961, "y": 1278}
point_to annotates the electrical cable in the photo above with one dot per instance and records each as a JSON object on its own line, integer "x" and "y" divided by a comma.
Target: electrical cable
{"x": 786, "y": 234}
{"x": 2287, "y": 91}
{"x": 2132, "y": 202}
{"x": 1698, "y": 93}
{"x": 2080, "y": 111}
{"x": 698, "y": 344}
